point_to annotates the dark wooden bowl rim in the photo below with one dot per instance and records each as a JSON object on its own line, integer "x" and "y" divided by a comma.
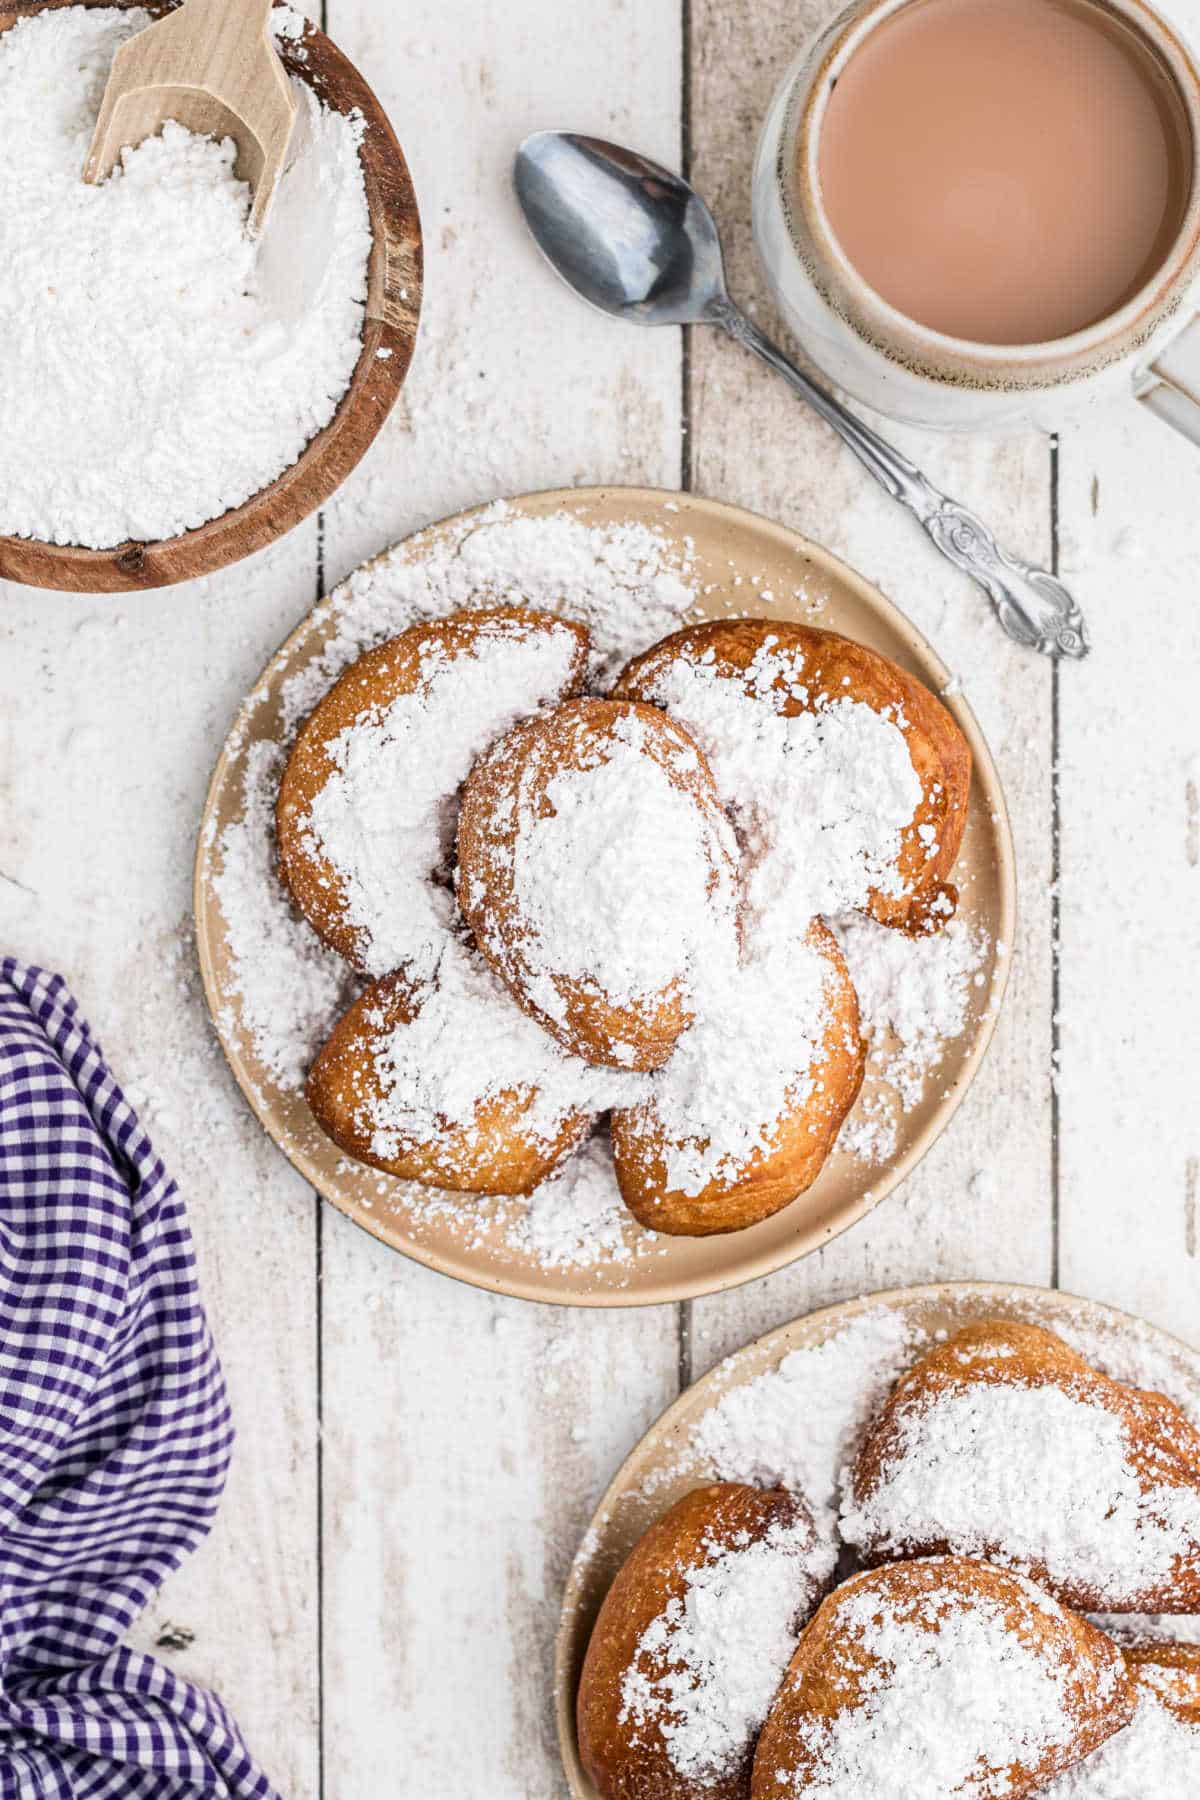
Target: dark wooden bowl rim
{"x": 392, "y": 314}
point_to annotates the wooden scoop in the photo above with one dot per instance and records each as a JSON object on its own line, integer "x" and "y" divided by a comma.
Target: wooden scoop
{"x": 212, "y": 67}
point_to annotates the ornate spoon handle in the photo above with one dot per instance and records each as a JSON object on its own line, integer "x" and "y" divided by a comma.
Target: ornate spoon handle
{"x": 1032, "y": 604}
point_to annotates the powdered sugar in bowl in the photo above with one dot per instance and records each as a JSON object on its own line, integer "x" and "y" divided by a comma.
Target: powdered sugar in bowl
{"x": 180, "y": 395}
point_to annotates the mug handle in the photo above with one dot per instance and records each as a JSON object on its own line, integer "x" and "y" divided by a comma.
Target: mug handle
{"x": 1170, "y": 385}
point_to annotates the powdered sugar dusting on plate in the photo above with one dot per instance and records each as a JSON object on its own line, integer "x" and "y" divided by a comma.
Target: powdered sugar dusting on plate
{"x": 797, "y": 1425}
{"x": 577, "y": 1216}
{"x": 288, "y": 987}
{"x": 915, "y": 996}
{"x": 626, "y": 582}
{"x": 630, "y": 584}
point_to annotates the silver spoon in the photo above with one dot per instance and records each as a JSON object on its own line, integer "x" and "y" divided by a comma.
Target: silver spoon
{"x": 637, "y": 242}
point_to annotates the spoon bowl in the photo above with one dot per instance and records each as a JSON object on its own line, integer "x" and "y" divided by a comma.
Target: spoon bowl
{"x": 630, "y": 237}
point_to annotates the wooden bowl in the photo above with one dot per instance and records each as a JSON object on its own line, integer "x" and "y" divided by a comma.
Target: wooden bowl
{"x": 392, "y": 311}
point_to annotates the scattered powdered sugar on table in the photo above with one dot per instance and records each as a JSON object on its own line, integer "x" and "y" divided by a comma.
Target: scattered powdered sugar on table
{"x": 385, "y": 818}
{"x": 160, "y": 365}
{"x": 797, "y": 1425}
{"x": 943, "y": 1697}
{"x": 1157, "y": 1757}
{"x": 706, "y": 1670}
{"x": 990, "y": 1469}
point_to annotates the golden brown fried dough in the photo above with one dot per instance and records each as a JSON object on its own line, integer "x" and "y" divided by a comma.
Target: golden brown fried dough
{"x": 409, "y": 667}
{"x": 1005, "y": 1443}
{"x": 634, "y": 1744}
{"x": 1171, "y": 1672}
{"x": 942, "y": 1677}
{"x": 799, "y": 1140}
{"x": 392, "y": 1087}
{"x": 1157, "y": 1756}
{"x": 836, "y": 669}
{"x": 542, "y": 781}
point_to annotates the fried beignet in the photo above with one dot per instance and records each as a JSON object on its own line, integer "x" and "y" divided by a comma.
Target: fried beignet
{"x": 449, "y": 1084}
{"x": 689, "y": 1645}
{"x": 365, "y": 817}
{"x": 1171, "y": 1672}
{"x": 598, "y": 873}
{"x": 1157, "y": 1756}
{"x": 844, "y": 774}
{"x": 1005, "y": 1443}
{"x": 745, "y": 1114}
{"x": 930, "y": 1679}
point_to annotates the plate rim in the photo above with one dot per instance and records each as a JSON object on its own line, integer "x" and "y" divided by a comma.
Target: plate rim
{"x": 563, "y": 1690}
{"x": 803, "y": 1243}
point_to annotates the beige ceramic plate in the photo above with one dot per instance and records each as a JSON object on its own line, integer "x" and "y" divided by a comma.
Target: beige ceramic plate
{"x": 726, "y": 546}
{"x": 663, "y": 1467}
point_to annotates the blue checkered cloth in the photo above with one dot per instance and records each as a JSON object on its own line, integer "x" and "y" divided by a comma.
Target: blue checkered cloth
{"x": 115, "y": 1432}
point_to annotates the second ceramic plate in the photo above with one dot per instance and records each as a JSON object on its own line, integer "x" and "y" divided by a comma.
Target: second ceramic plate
{"x": 845, "y": 1360}
{"x": 738, "y": 563}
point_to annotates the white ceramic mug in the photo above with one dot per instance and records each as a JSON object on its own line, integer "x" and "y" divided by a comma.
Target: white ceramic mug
{"x": 1150, "y": 347}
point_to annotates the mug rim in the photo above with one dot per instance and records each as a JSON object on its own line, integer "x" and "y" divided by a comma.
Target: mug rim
{"x": 809, "y": 97}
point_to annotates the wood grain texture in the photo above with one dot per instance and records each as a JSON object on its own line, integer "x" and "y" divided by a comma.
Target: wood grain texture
{"x": 406, "y": 1577}
{"x": 1129, "y": 777}
{"x": 1129, "y": 786}
{"x": 110, "y": 715}
{"x": 980, "y": 1204}
{"x": 465, "y": 1438}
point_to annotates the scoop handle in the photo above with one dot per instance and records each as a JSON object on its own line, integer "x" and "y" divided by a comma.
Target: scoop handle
{"x": 240, "y": 18}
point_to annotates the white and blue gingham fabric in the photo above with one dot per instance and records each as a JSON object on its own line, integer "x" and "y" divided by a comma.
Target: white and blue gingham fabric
{"x": 115, "y": 1431}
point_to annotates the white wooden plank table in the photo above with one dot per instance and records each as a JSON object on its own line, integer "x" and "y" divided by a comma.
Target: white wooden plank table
{"x": 417, "y": 1460}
